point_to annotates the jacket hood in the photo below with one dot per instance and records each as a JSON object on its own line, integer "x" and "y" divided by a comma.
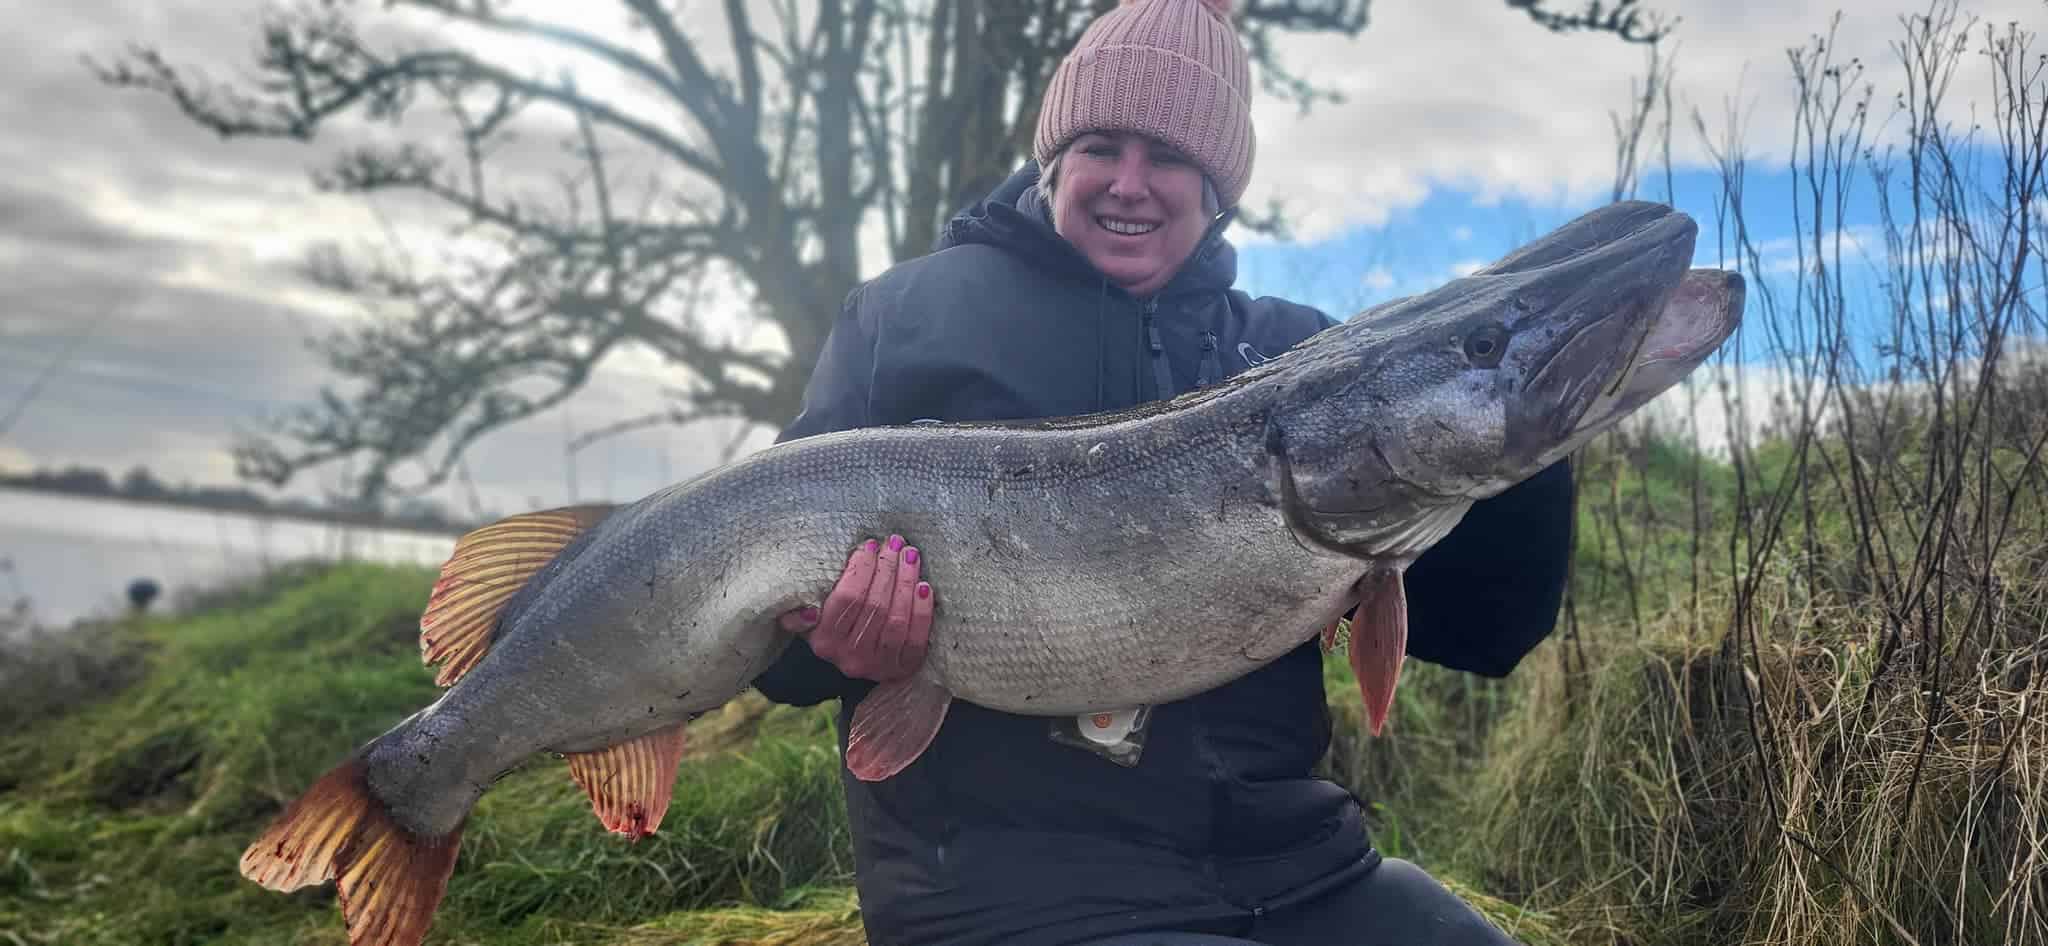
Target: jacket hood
{"x": 1016, "y": 218}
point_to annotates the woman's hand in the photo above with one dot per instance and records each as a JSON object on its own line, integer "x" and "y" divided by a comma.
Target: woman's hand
{"x": 877, "y": 622}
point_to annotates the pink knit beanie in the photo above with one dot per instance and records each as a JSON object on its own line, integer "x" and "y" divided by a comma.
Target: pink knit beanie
{"x": 1171, "y": 69}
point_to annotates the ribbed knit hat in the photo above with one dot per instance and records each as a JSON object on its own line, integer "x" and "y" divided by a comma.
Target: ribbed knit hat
{"x": 1171, "y": 69}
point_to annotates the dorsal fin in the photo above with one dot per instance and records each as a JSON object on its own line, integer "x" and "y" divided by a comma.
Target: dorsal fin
{"x": 488, "y": 567}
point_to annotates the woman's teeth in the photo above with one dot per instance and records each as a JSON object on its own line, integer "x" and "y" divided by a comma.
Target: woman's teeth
{"x": 1126, "y": 227}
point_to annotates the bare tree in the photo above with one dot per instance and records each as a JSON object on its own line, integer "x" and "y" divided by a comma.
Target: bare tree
{"x": 764, "y": 145}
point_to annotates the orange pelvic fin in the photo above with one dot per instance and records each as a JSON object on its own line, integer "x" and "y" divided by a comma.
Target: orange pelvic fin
{"x": 893, "y": 725}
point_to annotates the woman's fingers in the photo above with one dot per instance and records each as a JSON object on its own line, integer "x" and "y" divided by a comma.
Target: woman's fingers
{"x": 876, "y": 623}
{"x": 919, "y": 638}
{"x": 874, "y": 607}
{"x": 843, "y": 605}
{"x": 895, "y": 631}
{"x": 801, "y": 620}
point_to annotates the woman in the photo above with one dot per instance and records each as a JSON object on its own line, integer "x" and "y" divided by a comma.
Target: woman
{"x": 1098, "y": 284}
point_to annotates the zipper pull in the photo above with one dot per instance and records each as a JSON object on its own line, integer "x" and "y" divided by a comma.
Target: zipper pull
{"x": 1161, "y": 377}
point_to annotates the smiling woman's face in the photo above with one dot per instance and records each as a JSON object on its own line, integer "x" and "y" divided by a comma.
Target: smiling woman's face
{"x": 1132, "y": 205}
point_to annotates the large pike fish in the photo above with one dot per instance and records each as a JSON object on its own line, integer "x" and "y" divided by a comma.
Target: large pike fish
{"x": 1083, "y": 564}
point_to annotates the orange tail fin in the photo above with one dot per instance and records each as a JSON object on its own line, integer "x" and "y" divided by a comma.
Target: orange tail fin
{"x": 390, "y": 882}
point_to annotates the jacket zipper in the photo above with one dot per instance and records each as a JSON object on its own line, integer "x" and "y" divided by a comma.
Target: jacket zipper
{"x": 1162, "y": 378}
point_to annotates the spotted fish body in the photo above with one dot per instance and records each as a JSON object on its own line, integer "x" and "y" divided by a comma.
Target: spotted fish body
{"x": 1081, "y": 564}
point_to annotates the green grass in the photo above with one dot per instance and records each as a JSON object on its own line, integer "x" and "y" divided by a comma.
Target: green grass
{"x": 127, "y": 811}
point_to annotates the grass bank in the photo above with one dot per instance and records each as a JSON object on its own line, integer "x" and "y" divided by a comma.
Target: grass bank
{"x": 1655, "y": 789}
{"x": 124, "y": 808}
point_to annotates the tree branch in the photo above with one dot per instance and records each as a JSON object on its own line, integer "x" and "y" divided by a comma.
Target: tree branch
{"x": 844, "y": 123}
{"x": 1624, "y": 19}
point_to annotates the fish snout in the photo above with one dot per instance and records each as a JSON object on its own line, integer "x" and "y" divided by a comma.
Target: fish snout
{"x": 1702, "y": 313}
{"x": 1618, "y": 224}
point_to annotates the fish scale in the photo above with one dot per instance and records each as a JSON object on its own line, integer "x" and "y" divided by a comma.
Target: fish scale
{"x": 1079, "y": 564}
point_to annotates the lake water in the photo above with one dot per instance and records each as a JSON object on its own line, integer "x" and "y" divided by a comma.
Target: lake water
{"x": 72, "y": 557}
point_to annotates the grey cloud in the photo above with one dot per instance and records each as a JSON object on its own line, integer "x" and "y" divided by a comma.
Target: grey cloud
{"x": 66, "y": 241}
{"x": 1467, "y": 93}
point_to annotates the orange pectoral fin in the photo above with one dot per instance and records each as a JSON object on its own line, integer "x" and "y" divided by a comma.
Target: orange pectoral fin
{"x": 1379, "y": 642}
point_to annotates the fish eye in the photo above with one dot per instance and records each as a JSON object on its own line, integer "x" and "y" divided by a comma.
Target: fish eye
{"x": 1485, "y": 346}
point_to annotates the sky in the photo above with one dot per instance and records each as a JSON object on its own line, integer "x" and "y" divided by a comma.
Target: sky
{"x": 151, "y": 303}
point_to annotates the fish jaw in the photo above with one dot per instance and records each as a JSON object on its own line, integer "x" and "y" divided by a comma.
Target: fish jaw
{"x": 1561, "y": 388}
{"x": 1703, "y": 311}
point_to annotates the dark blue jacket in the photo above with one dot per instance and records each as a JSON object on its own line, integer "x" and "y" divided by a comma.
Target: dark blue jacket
{"x": 998, "y": 834}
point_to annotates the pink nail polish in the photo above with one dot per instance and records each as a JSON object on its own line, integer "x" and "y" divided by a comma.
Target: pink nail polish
{"x": 895, "y": 542}
{"x": 809, "y": 615}
{"x": 924, "y": 590}
{"x": 871, "y": 546}
{"x": 910, "y": 555}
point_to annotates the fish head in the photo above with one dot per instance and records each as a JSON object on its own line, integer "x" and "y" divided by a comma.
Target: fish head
{"x": 1407, "y": 413}
{"x": 1604, "y": 317}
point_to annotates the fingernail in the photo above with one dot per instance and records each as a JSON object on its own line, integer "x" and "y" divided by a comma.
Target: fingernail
{"x": 910, "y": 555}
{"x": 895, "y": 542}
{"x": 808, "y": 615}
{"x": 871, "y": 546}
{"x": 924, "y": 589}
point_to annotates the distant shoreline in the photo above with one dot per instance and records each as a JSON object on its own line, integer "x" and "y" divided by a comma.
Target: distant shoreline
{"x": 319, "y": 516}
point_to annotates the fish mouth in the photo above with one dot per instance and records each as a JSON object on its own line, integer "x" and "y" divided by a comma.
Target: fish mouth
{"x": 1700, "y": 314}
{"x": 1604, "y": 282}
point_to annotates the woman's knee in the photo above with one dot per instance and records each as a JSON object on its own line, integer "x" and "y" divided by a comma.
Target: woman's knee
{"x": 1429, "y": 911}
{"x": 1395, "y": 904}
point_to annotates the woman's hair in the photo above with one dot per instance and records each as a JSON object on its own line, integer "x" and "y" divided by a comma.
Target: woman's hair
{"x": 1049, "y": 181}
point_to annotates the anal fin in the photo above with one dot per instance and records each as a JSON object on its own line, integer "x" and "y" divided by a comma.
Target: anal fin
{"x": 893, "y": 725}
{"x": 630, "y": 783}
{"x": 489, "y": 565}
{"x": 1379, "y": 642}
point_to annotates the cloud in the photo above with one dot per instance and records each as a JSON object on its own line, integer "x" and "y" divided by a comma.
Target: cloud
{"x": 155, "y": 265}
{"x": 168, "y": 255}
{"x": 1470, "y": 94}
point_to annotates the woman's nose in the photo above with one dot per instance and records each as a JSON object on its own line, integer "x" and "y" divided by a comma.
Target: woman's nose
{"x": 1130, "y": 182}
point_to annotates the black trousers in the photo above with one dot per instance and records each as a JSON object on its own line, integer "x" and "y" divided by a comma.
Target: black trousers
{"x": 1395, "y": 904}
